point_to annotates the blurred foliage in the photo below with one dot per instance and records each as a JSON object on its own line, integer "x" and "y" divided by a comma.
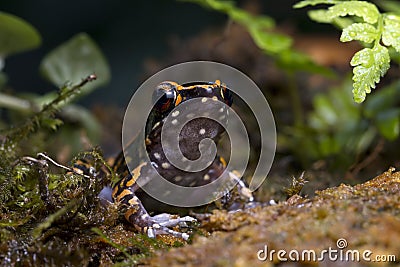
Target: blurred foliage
{"x": 39, "y": 203}
{"x": 66, "y": 67}
{"x": 16, "y": 35}
{"x": 75, "y": 59}
{"x": 339, "y": 129}
{"x": 265, "y": 35}
{"x": 376, "y": 30}
{"x": 336, "y": 129}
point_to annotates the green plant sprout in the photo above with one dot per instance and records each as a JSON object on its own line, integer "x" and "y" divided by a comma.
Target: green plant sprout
{"x": 362, "y": 21}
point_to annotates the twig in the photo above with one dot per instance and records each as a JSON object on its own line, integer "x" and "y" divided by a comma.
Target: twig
{"x": 357, "y": 167}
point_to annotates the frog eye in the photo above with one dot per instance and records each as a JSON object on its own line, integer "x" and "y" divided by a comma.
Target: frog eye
{"x": 164, "y": 96}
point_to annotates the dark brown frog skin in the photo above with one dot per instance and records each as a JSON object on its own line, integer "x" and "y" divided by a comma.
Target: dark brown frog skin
{"x": 170, "y": 95}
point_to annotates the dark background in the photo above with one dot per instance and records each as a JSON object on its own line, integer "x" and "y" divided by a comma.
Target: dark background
{"x": 128, "y": 32}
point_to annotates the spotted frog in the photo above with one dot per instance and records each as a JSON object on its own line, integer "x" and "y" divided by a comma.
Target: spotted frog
{"x": 169, "y": 95}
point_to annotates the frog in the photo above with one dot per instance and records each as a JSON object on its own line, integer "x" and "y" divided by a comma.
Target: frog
{"x": 167, "y": 96}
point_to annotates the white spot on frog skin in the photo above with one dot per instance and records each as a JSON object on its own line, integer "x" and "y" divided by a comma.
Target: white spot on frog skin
{"x": 165, "y": 165}
{"x": 174, "y": 122}
{"x": 221, "y": 110}
{"x": 204, "y": 99}
{"x": 202, "y": 131}
{"x": 215, "y": 98}
{"x": 178, "y": 178}
{"x": 190, "y": 115}
{"x": 193, "y": 183}
{"x": 206, "y": 177}
{"x": 157, "y": 155}
{"x": 175, "y": 113}
{"x": 156, "y": 125}
{"x": 187, "y": 168}
{"x": 221, "y": 118}
{"x": 206, "y": 114}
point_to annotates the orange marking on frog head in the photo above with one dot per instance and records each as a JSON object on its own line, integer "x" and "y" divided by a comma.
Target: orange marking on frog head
{"x": 178, "y": 100}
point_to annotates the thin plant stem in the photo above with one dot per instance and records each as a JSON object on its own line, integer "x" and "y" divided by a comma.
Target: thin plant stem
{"x": 295, "y": 100}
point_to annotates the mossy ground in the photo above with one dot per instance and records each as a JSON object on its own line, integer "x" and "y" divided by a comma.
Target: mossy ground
{"x": 367, "y": 215}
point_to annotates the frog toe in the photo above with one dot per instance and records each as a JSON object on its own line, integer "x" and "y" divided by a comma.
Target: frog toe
{"x": 160, "y": 225}
{"x": 155, "y": 230}
{"x": 169, "y": 220}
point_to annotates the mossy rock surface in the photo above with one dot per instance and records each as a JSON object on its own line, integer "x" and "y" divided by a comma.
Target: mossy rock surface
{"x": 366, "y": 215}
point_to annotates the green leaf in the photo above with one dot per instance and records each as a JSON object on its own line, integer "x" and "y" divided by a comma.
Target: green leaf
{"x": 325, "y": 113}
{"x": 388, "y": 123}
{"x": 363, "y": 140}
{"x": 391, "y": 31}
{"x": 271, "y": 42}
{"x": 293, "y": 61}
{"x": 218, "y": 5}
{"x": 319, "y": 15}
{"x": 364, "y": 57}
{"x": 359, "y": 31}
{"x": 371, "y": 64}
{"x": 342, "y": 23}
{"x": 369, "y": 12}
{"x": 75, "y": 60}
{"x": 382, "y": 100}
{"x": 250, "y": 21}
{"x": 85, "y": 118}
{"x": 222, "y": 6}
{"x": 237, "y": 14}
{"x": 16, "y": 35}
{"x": 305, "y": 3}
